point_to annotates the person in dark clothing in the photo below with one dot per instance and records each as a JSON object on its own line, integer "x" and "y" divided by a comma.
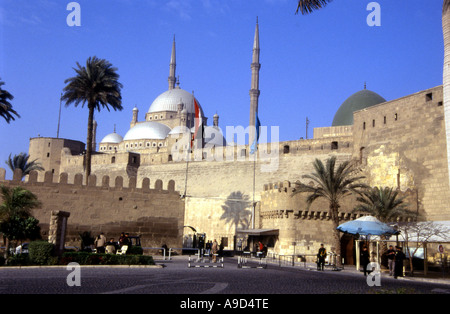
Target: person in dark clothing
{"x": 321, "y": 255}
{"x": 365, "y": 259}
{"x": 398, "y": 261}
{"x": 390, "y": 253}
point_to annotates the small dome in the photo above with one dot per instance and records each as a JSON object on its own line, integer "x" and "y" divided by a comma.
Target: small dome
{"x": 358, "y": 101}
{"x": 147, "y": 131}
{"x": 169, "y": 100}
{"x": 179, "y": 130}
{"x": 112, "y": 138}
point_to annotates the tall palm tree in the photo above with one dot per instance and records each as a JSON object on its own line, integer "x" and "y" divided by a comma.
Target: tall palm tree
{"x": 21, "y": 162}
{"x": 97, "y": 85}
{"x": 332, "y": 183}
{"x": 308, "y": 6}
{"x": 6, "y": 110}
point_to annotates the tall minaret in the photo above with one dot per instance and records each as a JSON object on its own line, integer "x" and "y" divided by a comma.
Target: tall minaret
{"x": 173, "y": 65}
{"x": 254, "y": 91}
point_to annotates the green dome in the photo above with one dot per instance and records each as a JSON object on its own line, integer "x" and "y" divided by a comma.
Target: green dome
{"x": 360, "y": 100}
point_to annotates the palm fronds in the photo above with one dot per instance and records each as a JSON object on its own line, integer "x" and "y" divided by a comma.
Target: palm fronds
{"x": 6, "y": 109}
{"x": 308, "y": 6}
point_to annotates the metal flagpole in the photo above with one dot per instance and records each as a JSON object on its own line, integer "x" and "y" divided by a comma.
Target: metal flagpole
{"x": 59, "y": 117}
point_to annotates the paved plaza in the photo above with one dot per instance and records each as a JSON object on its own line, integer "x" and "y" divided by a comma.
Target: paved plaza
{"x": 175, "y": 277}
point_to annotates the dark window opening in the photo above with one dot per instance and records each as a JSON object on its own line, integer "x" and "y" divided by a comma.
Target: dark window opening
{"x": 373, "y": 123}
{"x": 439, "y": 103}
{"x": 224, "y": 242}
{"x": 334, "y": 145}
{"x": 286, "y": 149}
{"x": 429, "y": 97}
{"x": 384, "y": 119}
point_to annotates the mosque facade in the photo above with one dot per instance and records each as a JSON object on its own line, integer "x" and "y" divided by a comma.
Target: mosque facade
{"x": 230, "y": 193}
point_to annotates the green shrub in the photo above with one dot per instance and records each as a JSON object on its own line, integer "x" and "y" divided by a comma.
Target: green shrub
{"x": 135, "y": 250}
{"x": 41, "y": 253}
{"x": 19, "y": 260}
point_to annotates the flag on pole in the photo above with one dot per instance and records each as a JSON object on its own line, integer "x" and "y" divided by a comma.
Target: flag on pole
{"x": 254, "y": 146}
{"x": 198, "y": 123}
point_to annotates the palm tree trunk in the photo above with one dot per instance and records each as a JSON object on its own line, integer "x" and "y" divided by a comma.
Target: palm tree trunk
{"x": 89, "y": 142}
{"x": 336, "y": 235}
{"x": 446, "y": 74}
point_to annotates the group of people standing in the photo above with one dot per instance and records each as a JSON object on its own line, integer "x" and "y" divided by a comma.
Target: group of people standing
{"x": 101, "y": 244}
{"x": 395, "y": 260}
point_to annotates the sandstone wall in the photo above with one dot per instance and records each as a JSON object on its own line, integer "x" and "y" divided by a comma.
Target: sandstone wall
{"x": 156, "y": 213}
{"x": 402, "y": 144}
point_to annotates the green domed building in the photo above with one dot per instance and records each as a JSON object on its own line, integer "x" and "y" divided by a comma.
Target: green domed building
{"x": 360, "y": 100}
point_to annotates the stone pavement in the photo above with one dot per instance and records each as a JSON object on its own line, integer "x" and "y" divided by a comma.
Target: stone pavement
{"x": 432, "y": 277}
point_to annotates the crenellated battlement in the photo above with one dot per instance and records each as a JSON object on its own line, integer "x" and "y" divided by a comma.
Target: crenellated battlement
{"x": 106, "y": 182}
{"x": 279, "y": 203}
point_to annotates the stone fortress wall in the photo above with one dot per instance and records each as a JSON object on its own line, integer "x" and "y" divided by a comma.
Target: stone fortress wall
{"x": 400, "y": 143}
{"x": 154, "y": 212}
{"x": 303, "y": 228}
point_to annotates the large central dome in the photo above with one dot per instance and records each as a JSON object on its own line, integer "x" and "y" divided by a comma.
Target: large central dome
{"x": 358, "y": 101}
{"x": 169, "y": 101}
{"x": 147, "y": 131}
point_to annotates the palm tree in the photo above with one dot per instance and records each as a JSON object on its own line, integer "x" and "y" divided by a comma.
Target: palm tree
{"x": 97, "y": 85}
{"x": 21, "y": 162}
{"x": 6, "y": 110}
{"x": 308, "y": 6}
{"x": 332, "y": 183}
{"x": 383, "y": 203}
{"x": 17, "y": 204}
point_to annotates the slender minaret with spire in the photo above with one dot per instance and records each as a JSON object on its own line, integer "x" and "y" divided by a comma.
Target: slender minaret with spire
{"x": 173, "y": 65}
{"x": 254, "y": 91}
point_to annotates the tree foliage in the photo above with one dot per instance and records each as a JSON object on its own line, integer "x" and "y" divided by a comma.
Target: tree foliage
{"x": 6, "y": 109}
{"x": 21, "y": 162}
{"x": 96, "y": 85}
{"x": 331, "y": 182}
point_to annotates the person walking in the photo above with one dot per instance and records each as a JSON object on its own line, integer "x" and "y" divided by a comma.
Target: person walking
{"x": 390, "y": 253}
{"x": 398, "y": 262}
{"x": 214, "y": 249}
{"x": 321, "y": 255}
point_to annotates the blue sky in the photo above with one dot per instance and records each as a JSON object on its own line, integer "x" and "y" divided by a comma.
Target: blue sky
{"x": 309, "y": 64}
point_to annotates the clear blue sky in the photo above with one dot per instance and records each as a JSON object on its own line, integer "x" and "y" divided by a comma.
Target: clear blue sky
{"x": 310, "y": 64}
